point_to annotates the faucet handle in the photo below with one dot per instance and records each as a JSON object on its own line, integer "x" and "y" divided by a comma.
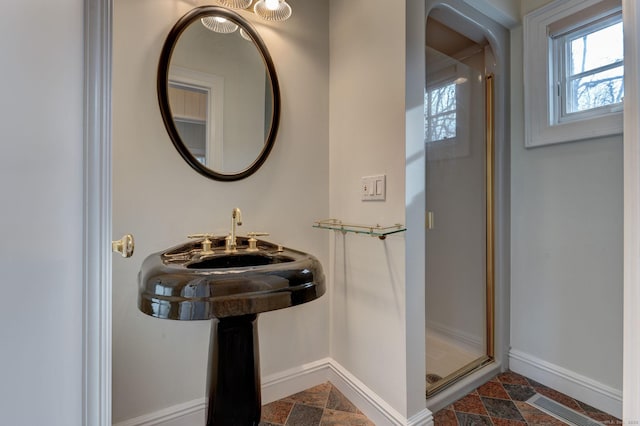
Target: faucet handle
{"x": 206, "y": 243}
{"x": 203, "y": 235}
{"x": 257, "y": 234}
{"x": 253, "y": 243}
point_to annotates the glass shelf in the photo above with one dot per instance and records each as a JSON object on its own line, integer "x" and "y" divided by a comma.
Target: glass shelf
{"x": 373, "y": 230}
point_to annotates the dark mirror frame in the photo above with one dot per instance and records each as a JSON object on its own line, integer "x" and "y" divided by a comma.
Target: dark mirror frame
{"x": 163, "y": 94}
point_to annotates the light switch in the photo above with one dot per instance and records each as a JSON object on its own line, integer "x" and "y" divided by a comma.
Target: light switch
{"x": 374, "y": 188}
{"x": 379, "y": 187}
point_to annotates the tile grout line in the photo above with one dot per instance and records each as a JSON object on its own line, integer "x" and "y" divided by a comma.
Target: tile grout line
{"x": 289, "y": 415}
{"x": 323, "y": 406}
{"x": 513, "y": 402}
{"x": 486, "y": 409}
{"x": 519, "y": 411}
{"x": 516, "y": 405}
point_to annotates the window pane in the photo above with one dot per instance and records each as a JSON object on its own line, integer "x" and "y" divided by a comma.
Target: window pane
{"x": 443, "y": 99}
{"x": 441, "y": 127}
{"x": 596, "y": 49}
{"x": 596, "y": 90}
{"x": 440, "y": 113}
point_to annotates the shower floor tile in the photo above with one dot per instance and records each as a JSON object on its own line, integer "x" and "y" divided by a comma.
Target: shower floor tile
{"x": 446, "y": 355}
{"x": 501, "y": 402}
{"x": 321, "y": 405}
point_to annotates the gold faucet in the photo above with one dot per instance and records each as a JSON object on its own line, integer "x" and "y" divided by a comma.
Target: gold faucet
{"x": 230, "y": 241}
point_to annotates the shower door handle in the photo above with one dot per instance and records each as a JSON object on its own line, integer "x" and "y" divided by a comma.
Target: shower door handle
{"x": 429, "y": 220}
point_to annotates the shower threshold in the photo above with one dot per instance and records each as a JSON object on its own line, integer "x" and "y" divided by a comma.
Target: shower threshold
{"x": 436, "y": 387}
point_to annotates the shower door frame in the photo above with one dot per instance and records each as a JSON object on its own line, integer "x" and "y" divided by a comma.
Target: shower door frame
{"x": 489, "y": 355}
{"x": 463, "y": 14}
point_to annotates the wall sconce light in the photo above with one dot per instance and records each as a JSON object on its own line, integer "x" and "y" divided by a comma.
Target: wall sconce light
{"x": 236, "y": 4}
{"x": 269, "y": 10}
{"x": 272, "y": 10}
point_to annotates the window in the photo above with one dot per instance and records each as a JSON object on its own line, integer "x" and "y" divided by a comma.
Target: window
{"x": 440, "y": 113}
{"x": 447, "y": 105}
{"x": 573, "y": 71}
{"x": 589, "y": 69}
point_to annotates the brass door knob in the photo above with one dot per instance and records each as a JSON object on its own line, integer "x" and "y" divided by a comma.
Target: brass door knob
{"x": 124, "y": 245}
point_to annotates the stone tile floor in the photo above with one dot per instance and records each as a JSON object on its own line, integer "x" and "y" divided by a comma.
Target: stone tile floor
{"x": 501, "y": 402}
{"x": 322, "y": 405}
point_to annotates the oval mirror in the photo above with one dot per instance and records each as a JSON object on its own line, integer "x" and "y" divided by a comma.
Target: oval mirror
{"x": 218, "y": 93}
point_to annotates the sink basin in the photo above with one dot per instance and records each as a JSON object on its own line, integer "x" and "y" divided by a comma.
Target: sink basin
{"x": 239, "y": 260}
{"x": 183, "y": 284}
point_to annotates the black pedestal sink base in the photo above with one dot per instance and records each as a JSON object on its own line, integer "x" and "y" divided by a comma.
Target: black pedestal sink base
{"x": 234, "y": 372}
{"x": 187, "y": 282}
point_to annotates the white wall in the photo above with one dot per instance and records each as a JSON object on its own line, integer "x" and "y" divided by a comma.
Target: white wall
{"x": 631, "y": 367}
{"x": 566, "y": 239}
{"x": 367, "y": 133}
{"x": 527, "y": 6}
{"x": 41, "y": 186}
{"x": 160, "y": 199}
{"x": 505, "y": 12}
{"x": 415, "y": 205}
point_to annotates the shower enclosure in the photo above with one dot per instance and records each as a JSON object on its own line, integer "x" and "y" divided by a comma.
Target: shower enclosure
{"x": 465, "y": 194}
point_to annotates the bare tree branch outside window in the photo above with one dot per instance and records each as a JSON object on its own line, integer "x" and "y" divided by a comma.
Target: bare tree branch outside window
{"x": 595, "y": 75}
{"x": 440, "y": 113}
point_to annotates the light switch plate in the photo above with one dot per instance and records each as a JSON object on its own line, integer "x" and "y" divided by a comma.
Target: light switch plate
{"x": 373, "y": 188}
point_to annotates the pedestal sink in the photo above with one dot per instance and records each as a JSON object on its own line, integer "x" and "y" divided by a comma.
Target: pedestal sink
{"x": 197, "y": 280}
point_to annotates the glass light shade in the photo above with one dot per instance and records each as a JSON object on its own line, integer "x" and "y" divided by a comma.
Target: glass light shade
{"x": 219, "y": 24}
{"x": 270, "y": 11}
{"x": 236, "y": 4}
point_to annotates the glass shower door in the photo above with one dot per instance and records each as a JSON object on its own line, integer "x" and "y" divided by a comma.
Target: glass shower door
{"x": 458, "y": 201}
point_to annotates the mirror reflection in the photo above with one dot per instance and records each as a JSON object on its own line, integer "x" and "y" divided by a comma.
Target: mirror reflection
{"x": 221, "y": 93}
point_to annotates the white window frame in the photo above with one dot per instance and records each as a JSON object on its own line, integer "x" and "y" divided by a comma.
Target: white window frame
{"x": 560, "y": 46}
{"x": 214, "y": 86}
{"x": 542, "y": 127}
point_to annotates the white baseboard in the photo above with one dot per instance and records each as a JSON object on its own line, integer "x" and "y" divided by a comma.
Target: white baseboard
{"x": 294, "y": 380}
{"x": 187, "y": 414}
{"x": 374, "y": 407}
{"x": 288, "y": 382}
{"x": 582, "y": 388}
{"x": 423, "y": 418}
{"x": 470, "y": 342}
